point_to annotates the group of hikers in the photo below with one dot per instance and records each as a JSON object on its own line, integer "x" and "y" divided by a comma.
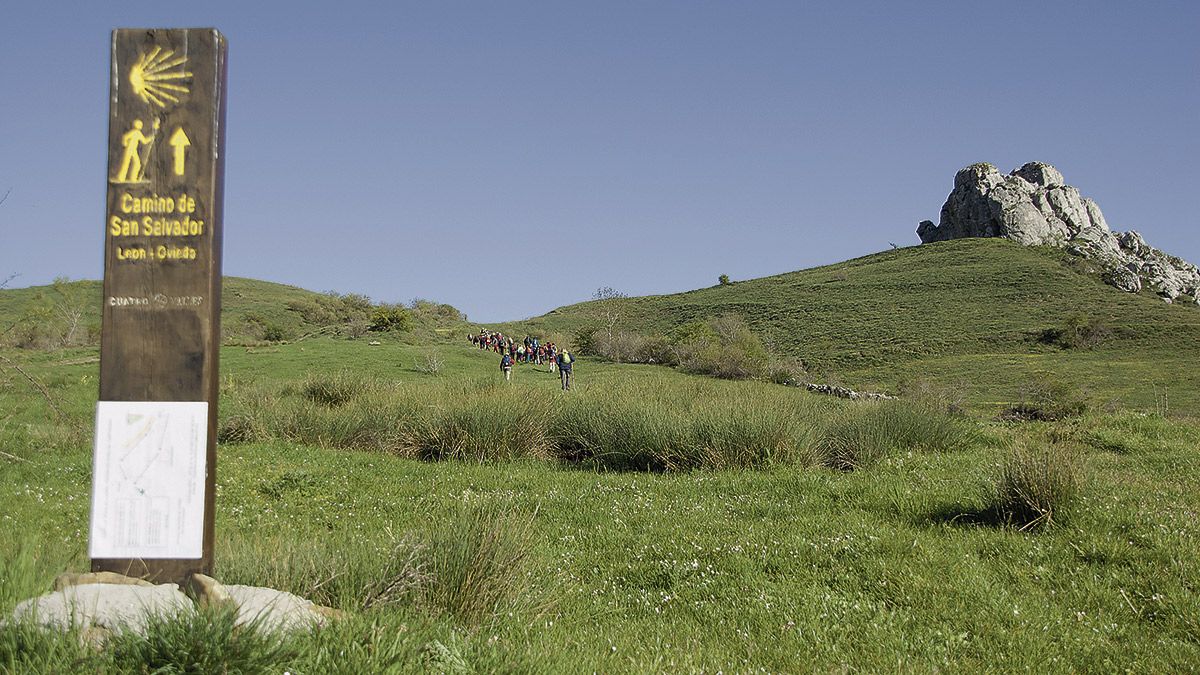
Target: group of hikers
{"x": 529, "y": 350}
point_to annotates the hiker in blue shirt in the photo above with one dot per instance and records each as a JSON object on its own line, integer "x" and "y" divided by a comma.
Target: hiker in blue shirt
{"x": 565, "y": 360}
{"x": 506, "y": 366}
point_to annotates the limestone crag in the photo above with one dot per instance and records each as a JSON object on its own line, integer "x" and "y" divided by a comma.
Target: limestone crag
{"x": 1034, "y": 206}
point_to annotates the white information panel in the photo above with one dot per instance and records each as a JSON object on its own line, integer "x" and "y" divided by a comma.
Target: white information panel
{"x": 148, "y": 479}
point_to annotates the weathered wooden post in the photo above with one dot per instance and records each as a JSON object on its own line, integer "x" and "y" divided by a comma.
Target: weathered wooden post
{"x": 154, "y": 475}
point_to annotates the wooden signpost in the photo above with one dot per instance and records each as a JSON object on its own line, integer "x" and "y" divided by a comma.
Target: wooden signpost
{"x": 154, "y": 473}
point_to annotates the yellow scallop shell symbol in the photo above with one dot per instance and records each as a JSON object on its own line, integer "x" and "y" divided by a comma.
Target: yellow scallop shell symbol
{"x": 159, "y": 77}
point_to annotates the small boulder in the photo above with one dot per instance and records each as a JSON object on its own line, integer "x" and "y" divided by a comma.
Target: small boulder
{"x": 102, "y": 609}
{"x": 274, "y": 611}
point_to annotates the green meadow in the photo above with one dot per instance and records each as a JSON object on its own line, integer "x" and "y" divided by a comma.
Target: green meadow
{"x": 1028, "y": 503}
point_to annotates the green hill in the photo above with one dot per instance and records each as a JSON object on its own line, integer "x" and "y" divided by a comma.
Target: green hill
{"x": 981, "y": 312}
{"x": 68, "y": 313}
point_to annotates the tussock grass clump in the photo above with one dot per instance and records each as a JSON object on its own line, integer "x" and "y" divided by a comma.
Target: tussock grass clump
{"x": 1037, "y": 485}
{"x": 477, "y": 563}
{"x": 631, "y": 426}
{"x": 648, "y": 428}
{"x": 26, "y": 647}
{"x": 206, "y": 641}
{"x": 864, "y": 434}
{"x": 481, "y": 423}
{"x": 607, "y": 431}
{"x": 334, "y": 390}
{"x": 350, "y": 576}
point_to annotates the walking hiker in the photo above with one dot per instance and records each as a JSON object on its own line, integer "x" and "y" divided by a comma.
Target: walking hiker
{"x": 565, "y": 361}
{"x": 506, "y": 367}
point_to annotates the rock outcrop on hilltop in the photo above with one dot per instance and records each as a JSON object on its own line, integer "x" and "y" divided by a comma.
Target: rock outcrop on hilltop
{"x": 1034, "y": 206}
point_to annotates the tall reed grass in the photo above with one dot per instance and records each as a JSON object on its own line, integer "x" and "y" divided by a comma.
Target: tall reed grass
{"x": 650, "y": 425}
{"x": 861, "y": 435}
{"x": 1038, "y": 484}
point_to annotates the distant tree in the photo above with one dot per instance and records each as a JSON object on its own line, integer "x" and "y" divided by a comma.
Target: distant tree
{"x": 724, "y": 280}
{"x": 608, "y": 309}
{"x": 69, "y": 302}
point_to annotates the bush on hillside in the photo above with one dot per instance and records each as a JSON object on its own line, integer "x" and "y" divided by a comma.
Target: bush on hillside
{"x": 723, "y": 347}
{"x": 386, "y": 318}
{"x": 435, "y": 312}
{"x": 1078, "y": 332}
{"x": 585, "y": 340}
{"x": 787, "y": 370}
{"x": 332, "y": 309}
{"x": 273, "y": 333}
{"x": 627, "y": 347}
{"x": 1045, "y": 398}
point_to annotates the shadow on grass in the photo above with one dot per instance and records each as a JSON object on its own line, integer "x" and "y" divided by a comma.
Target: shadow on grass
{"x": 969, "y": 515}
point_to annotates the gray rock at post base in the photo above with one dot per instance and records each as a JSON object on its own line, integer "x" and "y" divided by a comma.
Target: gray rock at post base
{"x": 274, "y": 611}
{"x": 102, "y": 609}
{"x": 67, "y": 580}
{"x": 268, "y": 609}
{"x": 101, "y": 604}
{"x": 1034, "y": 206}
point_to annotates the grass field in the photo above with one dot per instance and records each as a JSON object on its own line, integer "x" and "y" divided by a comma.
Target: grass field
{"x": 553, "y": 557}
{"x": 651, "y": 520}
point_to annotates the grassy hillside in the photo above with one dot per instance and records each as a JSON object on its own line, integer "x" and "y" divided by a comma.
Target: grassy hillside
{"x": 251, "y": 311}
{"x": 970, "y": 313}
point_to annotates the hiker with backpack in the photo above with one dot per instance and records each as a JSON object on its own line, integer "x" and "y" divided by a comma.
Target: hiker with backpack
{"x": 506, "y": 366}
{"x": 565, "y": 361}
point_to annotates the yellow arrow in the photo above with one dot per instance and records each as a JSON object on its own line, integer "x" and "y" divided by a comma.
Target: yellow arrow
{"x": 179, "y": 141}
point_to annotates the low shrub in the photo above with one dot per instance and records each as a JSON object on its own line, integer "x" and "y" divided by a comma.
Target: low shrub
{"x": 390, "y": 318}
{"x": 1078, "y": 332}
{"x": 1037, "y": 484}
{"x": 621, "y": 347}
{"x": 788, "y": 371}
{"x": 432, "y": 363}
{"x": 723, "y": 347}
{"x": 1047, "y": 399}
{"x": 273, "y": 333}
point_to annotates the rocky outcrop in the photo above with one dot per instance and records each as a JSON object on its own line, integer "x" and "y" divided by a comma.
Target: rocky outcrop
{"x": 1034, "y": 206}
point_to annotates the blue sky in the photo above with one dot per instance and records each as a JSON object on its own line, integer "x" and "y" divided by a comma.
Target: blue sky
{"x": 509, "y": 158}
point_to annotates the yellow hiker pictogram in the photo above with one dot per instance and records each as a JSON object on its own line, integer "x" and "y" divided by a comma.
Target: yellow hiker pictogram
{"x": 137, "y": 150}
{"x": 158, "y": 77}
{"x": 179, "y": 141}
